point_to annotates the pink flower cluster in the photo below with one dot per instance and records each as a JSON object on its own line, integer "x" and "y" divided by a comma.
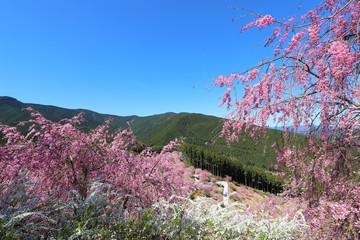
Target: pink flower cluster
{"x": 294, "y": 42}
{"x": 264, "y": 21}
{"x": 314, "y": 32}
{"x": 253, "y": 74}
{"x": 261, "y": 22}
{"x": 342, "y": 59}
{"x": 228, "y": 81}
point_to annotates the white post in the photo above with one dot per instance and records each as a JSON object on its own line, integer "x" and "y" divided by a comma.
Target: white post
{"x": 225, "y": 192}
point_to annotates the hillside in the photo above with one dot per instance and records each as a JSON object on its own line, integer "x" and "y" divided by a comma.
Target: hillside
{"x": 156, "y": 130}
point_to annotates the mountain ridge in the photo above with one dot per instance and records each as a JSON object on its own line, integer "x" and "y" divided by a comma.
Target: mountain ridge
{"x": 12, "y": 111}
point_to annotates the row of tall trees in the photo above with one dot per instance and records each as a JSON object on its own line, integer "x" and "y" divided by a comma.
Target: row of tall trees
{"x": 221, "y": 165}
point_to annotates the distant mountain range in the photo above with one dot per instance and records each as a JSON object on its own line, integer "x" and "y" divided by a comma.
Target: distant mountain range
{"x": 301, "y": 130}
{"x": 156, "y": 130}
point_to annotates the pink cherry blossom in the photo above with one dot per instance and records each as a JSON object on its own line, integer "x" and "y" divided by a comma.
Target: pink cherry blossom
{"x": 62, "y": 157}
{"x": 312, "y": 81}
{"x": 264, "y": 21}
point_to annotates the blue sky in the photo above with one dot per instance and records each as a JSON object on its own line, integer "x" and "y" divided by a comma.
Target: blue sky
{"x": 127, "y": 57}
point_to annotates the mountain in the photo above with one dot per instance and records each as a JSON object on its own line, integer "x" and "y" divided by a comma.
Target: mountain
{"x": 157, "y": 130}
{"x": 12, "y": 111}
{"x": 300, "y": 130}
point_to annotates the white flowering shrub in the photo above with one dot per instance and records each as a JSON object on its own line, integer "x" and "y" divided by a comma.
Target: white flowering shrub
{"x": 102, "y": 215}
{"x": 234, "y": 222}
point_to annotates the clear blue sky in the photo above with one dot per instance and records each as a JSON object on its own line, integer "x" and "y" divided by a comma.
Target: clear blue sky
{"x": 127, "y": 57}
